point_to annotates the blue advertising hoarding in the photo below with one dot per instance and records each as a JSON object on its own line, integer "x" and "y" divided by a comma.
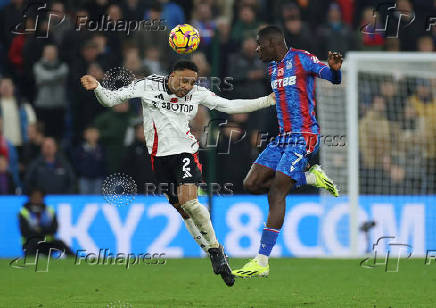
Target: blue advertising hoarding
{"x": 314, "y": 226}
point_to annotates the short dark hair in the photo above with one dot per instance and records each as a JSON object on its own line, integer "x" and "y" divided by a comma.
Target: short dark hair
{"x": 184, "y": 65}
{"x": 270, "y": 32}
{"x": 35, "y": 189}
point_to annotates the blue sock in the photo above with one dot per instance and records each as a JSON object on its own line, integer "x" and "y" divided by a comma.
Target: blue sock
{"x": 268, "y": 240}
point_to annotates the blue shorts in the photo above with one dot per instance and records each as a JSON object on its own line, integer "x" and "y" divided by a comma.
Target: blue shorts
{"x": 290, "y": 155}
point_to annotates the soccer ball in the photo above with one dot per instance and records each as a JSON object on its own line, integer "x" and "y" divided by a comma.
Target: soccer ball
{"x": 184, "y": 39}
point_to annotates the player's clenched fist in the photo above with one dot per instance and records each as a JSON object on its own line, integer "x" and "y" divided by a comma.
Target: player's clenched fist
{"x": 335, "y": 60}
{"x": 89, "y": 82}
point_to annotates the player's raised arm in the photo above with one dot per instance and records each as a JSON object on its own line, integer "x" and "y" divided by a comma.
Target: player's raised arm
{"x": 331, "y": 72}
{"x": 109, "y": 98}
{"x": 212, "y": 101}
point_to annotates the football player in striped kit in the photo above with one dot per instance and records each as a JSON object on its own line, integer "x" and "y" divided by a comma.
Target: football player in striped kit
{"x": 283, "y": 164}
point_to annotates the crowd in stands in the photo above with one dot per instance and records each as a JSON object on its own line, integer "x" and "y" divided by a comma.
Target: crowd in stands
{"x": 55, "y": 134}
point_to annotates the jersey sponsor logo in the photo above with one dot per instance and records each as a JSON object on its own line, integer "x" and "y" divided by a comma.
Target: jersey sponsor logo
{"x": 287, "y": 81}
{"x": 174, "y": 100}
{"x": 177, "y": 107}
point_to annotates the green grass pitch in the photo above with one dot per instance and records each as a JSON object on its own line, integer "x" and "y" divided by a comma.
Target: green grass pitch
{"x": 191, "y": 283}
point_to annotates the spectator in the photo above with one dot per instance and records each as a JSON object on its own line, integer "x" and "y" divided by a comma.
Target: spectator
{"x": 297, "y": 31}
{"x": 423, "y": 104}
{"x": 152, "y": 61}
{"x": 172, "y": 13}
{"x": 7, "y": 185}
{"x": 133, "y": 63}
{"x": 113, "y": 126}
{"x": 83, "y": 103}
{"x": 32, "y": 147}
{"x": 90, "y": 164}
{"x": 375, "y": 146}
{"x": 401, "y": 23}
{"x": 425, "y": 44}
{"x": 206, "y": 26}
{"x": 97, "y": 8}
{"x": 38, "y": 225}
{"x": 60, "y": 21}
{"x": 394, "y": 103}
{"x": 50, "y": 76}
{"x": 137, "y": 161}
{"x": 114, "y": 38}
{"x": 245, "y": 25}
{"x": 51, "y": 171}
{"x": 133, "y": 9}
{"x": 86, "y": 108}
{"x": 157, "y": 39}
{"x": 392, "y": 44}
{"x": 233, "y": 147}
{"x": 16, "y": 114}
{"x": 10, "y": 16}
{"x": 221, "y": 48}
{"x": 335, "y": 35}
{"x": 7, "y": 149}
{"x": 73, "y": 39}
{"x": 369, "y": 37}
{"x": 248, "y": 71}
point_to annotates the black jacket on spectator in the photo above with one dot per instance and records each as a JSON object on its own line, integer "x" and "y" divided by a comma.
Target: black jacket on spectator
{"x": 137, "y": 164}
{"x": 57, "y": 178}
{"x": 89, "y": 162}
{"x": 7, "y": 185}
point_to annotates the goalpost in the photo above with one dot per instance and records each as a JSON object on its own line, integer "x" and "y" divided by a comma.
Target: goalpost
{"x": 385, "y": 113}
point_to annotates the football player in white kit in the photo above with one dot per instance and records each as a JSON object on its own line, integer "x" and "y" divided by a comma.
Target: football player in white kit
{"x": 169, "y": 103}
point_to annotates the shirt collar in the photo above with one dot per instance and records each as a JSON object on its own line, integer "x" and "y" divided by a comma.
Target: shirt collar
{"x": 166, "y": 87}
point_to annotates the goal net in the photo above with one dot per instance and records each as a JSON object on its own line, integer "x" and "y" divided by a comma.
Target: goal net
{"x": 379, "y": 145}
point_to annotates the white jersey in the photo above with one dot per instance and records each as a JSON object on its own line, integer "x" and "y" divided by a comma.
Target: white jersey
{"x": 166, "y": 116}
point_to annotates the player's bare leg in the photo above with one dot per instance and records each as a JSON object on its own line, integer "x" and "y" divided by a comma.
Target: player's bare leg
{"x": 192, "y": 228}
{"x": 280, "y": 187}
{"x": 187, "y": 195}
{"x": 258, "y": 179}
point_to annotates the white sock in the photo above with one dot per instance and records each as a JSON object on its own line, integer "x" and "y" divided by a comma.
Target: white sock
{"x": 310, "y": 178}
{"x": 195, "y": 233}
{"x": 201, "y": 218}
{"x": 262, "y": 259}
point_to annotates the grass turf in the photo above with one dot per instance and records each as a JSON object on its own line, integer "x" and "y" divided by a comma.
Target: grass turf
{"x": 191, "y": 283}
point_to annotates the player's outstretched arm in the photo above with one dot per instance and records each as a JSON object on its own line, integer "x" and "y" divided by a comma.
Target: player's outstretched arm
{"x": 109, "y": 98}
{"x": 212, "y": 101}
{"x": 331, "y": 72}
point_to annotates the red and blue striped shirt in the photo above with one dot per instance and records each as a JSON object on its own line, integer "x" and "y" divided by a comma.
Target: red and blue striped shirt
{"x": 293, "y": 82}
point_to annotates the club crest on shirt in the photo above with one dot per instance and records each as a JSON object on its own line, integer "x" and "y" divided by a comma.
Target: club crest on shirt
{"x": 288, "y": 64}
